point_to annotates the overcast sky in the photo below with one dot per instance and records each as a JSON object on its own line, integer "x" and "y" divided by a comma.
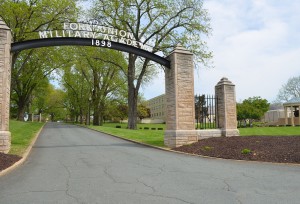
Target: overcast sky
{"x": 256, "y": 45}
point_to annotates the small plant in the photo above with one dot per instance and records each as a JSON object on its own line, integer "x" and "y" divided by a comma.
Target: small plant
{"x": 118, "y": 126}
{"x": 208, "y": 148}
{"x": 246, "y": 151}
{"x": 159, "y": 128}
{"x": 153, "y": 128}
{"x": 146, "y": 128}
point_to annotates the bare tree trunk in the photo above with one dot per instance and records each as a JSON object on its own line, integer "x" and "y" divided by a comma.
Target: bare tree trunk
{"x": 81, "y": 116}
{"x": 96, "y": 120}
{"x": 132, "y": 93}
{"x": 132, "y": 109}
{"x": 101, "y": 112}
{"x": 21, "y": 111}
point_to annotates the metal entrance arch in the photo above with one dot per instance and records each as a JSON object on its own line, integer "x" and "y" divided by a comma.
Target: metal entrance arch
{"x": 179, "y": 81}
{"x": 64, "y": 41}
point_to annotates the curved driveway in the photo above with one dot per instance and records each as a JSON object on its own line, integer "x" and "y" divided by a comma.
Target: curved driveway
{"x": 70, "y": 164}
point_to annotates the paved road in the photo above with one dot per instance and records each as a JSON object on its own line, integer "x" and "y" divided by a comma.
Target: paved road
{"x": 70, "y": 164}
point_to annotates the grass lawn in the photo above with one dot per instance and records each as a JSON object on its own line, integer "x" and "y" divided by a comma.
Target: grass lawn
{"x": 270, "y": 131}
{"x": 156, "y": 137}
{"x": 148, "y": 136}
{"x": 22, "y": 135}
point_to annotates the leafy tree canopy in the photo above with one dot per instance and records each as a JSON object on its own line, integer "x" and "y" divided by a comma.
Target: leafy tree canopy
{"x": 252, "y": 108}
{"x": 31, "y": 67}
{"x": 161, "y": 24}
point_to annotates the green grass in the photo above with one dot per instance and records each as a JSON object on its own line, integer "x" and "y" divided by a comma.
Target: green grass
{"x": 270, "y": 131}
{"x": 156, "y": 137}
{"x": 152, "y": 137}
{"x": 22, "y": 135}
{"x": 139, "y": 126}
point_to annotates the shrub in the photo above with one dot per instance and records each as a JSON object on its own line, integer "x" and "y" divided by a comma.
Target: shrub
{"x": 159, "y": 128}
{"x": 118, "y": 126}
{"x": 246, "y": 151}
{"x": 146, "y": 128}
{"x": 153, "y": 128}
{"x": 207, "y": 148}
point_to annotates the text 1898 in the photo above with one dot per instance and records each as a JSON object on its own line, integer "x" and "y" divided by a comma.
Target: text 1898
{"x": 101, "y": 43}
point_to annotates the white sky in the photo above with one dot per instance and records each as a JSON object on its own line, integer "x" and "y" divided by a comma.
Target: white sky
{"x": 256, "y": 45}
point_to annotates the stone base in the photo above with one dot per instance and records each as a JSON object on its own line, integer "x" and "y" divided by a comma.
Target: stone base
{"x": 203, "y": 134}
{"x": 230, "y": 132}
{"x": 5, "y": 140}
{"x": 176, "y": 138}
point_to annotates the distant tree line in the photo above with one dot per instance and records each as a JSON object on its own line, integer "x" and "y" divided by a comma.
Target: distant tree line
{"x": 91, "y": 80}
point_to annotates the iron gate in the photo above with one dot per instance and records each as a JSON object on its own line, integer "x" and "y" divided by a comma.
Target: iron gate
{"x": 205, "y": 111}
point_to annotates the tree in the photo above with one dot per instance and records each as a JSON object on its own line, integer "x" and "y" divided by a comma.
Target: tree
{"x": 289, "y": 90}
{"x": 95, "y": 74}
{"x": 25, "y": 18}
{"x": 143, "y": 111}
{"x": 77, "y": 87}
{"x": 51, "y": 105}
{"x": 241, "y": 114}
{"x": 122, "y": 111}
{"x": 104, "y": 74}
{"x": 30, "y": 74}
{"x": 161, "y": 24}
{"x": 252, "y": 109}
{"x": 118, "y": 110}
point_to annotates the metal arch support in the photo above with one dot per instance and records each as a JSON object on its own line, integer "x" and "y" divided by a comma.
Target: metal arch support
{"x": 47, "y": 42}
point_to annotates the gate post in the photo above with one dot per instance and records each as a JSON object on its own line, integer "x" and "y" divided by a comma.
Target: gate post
{"x": 5, "y": 78}
{"x": 180, "y": 106}
{"x": 226, "y": 108}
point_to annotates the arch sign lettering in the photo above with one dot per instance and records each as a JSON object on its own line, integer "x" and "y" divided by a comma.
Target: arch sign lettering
{"x": 179, "y": 78}
{"x": 91, "y": 34}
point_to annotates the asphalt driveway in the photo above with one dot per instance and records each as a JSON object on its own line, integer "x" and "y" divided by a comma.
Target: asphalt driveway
{"x": 70, "y": 164}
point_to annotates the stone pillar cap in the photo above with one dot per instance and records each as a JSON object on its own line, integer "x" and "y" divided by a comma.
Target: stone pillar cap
{"x": 180, "y": 49}
{"x": 3, "y": 25}
{"x": 224, "y": 81}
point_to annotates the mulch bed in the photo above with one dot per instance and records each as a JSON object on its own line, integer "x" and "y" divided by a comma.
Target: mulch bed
{"x": 281, "y": 149}
{"x": 6, "y": 160}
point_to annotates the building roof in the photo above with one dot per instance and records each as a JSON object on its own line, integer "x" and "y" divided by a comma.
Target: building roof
{"x": 294, "y": 101}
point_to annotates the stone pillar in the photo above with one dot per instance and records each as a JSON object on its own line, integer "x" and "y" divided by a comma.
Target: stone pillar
{"x": 180, "y": 106}
{"x": 292, "y": 116}
{"x": 298, "y": 116}
{"x": 226, "y": 108}
{"x": 285, "y": 116}
{"x": 5, "y": 77}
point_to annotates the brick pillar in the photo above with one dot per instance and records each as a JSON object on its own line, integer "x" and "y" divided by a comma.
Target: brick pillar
{"x": 180, "y": 107}
{"x": 226, "y": 108}
{"x": 5, "y": 77}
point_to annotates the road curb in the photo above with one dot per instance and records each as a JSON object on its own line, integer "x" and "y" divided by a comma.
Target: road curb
{"x": 194, "y": 155}
{"x": 24, "y": 156}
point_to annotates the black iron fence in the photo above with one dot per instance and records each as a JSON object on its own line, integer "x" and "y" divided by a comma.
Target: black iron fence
{"x": 205, "y": 111}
